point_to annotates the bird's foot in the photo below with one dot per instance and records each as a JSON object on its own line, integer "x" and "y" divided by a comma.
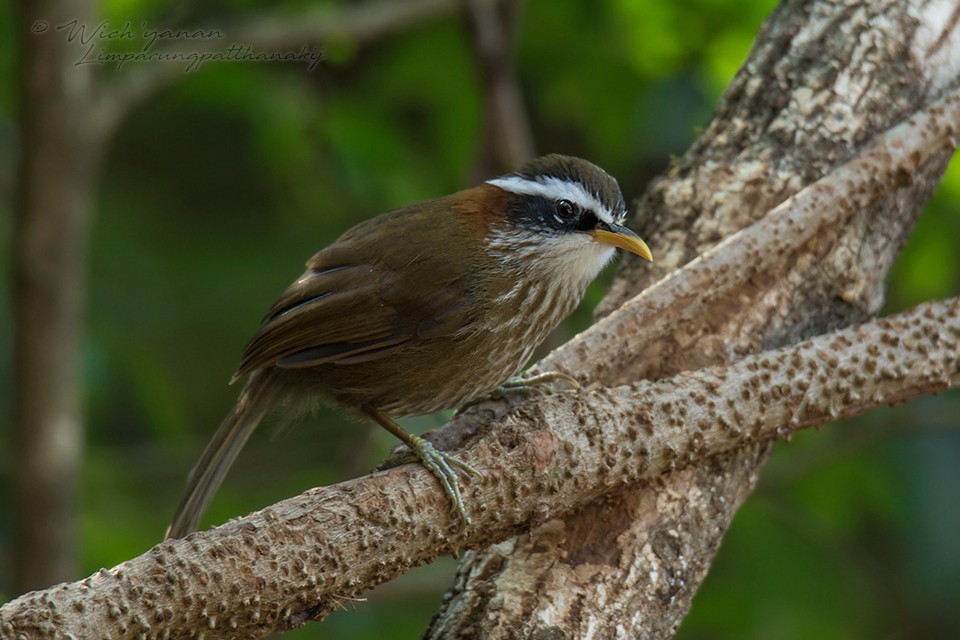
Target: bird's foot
{"x": 444, "y": 467}
{"x": 523, "y": 385}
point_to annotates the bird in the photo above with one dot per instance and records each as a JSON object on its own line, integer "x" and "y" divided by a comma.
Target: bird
{"x": 425, "y": 308}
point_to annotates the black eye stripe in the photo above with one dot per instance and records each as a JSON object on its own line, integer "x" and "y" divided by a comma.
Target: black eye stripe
{"x": 539, "y": 214}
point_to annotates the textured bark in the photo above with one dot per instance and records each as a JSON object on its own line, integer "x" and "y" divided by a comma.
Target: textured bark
{"x": 58, "y": 165}
{"x": 822, "y": 79}
{"x": 299, "y": 559}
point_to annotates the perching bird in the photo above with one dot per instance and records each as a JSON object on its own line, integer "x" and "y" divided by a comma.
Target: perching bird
{"x": 425, "y": 308}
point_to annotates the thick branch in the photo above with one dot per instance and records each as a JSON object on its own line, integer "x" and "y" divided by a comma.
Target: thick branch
{"x": 291, "y": 562}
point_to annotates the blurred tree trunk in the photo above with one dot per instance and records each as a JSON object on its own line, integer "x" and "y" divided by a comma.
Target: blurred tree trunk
{"x": 59, "y": 158}
{"x": 822, "y": 79}
{"x": 68, "y": 113}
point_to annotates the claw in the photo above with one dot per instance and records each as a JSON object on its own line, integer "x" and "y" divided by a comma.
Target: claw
{"x": 519, "y": 385}
{"x": 441, "y": 464}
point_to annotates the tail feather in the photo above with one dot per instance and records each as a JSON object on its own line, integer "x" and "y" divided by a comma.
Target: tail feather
{"x": 257, "y": 398}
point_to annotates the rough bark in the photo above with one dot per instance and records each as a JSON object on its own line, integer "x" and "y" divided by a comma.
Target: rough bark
{"x": 822, "y": 79}
{"x": 575, "y": 452}
{"x": 299, "y": 559}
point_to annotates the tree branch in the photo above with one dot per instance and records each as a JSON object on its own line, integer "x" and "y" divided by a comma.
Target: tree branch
{"x": 292, "y": 562}
{"x": 508, "y": 142}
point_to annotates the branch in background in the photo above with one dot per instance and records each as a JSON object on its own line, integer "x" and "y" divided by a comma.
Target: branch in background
{"x": 361, "y": 24}
{"x": 507, "y": 142}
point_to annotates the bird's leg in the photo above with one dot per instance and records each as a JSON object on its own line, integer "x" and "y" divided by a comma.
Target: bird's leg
{"x": 523, "y": 385}
{"x": 441, "y": 464}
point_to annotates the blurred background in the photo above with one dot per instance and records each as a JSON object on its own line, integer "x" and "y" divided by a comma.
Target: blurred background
{"x": 217, "y": 189}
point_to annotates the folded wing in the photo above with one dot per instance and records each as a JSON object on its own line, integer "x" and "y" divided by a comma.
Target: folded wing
{"x": 350, "y": 307}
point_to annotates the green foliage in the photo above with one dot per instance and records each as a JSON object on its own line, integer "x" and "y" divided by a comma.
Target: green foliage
{"x": 928, "y": 268}
{"x": 849, "y": 535}
{"x": 9, "y": 59}
{"x": 217, "y": 191}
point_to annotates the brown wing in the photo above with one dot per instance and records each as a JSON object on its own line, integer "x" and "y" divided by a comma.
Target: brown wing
{"x": 362, "y": 298}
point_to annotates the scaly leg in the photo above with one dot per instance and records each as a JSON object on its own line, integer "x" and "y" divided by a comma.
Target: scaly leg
{"x": 439, "y": 463}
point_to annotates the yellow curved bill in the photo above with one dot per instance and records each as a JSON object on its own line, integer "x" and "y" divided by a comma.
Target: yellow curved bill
{"x": 623, "y": 238}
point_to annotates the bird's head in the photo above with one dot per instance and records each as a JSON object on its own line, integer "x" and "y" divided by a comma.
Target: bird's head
{"x": 563, "y": 216}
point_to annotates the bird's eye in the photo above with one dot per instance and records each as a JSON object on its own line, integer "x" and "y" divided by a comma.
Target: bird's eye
{"x": 564, "y": 211}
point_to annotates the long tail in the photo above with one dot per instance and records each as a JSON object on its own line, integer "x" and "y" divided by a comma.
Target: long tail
{"x": 259, "y": 395}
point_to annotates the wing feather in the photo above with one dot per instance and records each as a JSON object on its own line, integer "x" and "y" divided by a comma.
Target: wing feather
{"x": 360, "y": 300}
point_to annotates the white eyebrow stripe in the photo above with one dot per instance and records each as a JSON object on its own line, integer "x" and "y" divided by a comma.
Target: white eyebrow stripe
{"x": 554, "y": 189}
